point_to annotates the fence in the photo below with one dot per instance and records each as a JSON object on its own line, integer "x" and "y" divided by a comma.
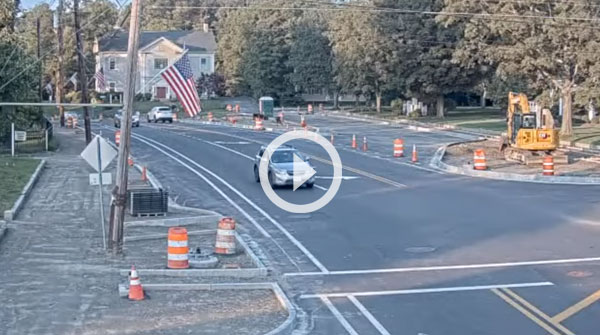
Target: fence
{"x": 37, "y": 138}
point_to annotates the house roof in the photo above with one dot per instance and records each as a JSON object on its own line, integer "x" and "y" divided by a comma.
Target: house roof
{"x": 193, "y": 40}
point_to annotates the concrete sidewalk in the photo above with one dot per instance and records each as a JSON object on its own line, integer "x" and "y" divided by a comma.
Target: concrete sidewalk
{"x": 56, "y": 277}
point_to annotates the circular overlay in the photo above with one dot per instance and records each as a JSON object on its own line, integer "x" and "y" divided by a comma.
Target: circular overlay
{"x": 317, "y": 204}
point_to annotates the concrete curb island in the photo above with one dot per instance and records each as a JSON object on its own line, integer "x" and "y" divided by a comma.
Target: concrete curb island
{"x": 437, "y": 163}
{"x": 286, "y": 327}
{"x": 10, "y": 214}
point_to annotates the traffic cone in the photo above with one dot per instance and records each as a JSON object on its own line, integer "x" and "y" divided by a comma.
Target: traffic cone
{"x": 302, "y": 121}
{"x": 415, "y": 157}
{"x": 365, "y": 147}
{"x": 136, "y": 292}
{"x": 354, "y": 146}
{"x": 130, "y": 161}
{"x": 144, "y": 174}
{"x": 332, "y": 138}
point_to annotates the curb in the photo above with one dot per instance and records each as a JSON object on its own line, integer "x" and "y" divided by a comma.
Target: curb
{"x": 10, "y": 214}
{"x": 193, "y": 273}
{"x": 420, "y": 126}
{"x": 173, "y": 222}
{"x": 286, "y": 327}
{"x": 436, "y": 162}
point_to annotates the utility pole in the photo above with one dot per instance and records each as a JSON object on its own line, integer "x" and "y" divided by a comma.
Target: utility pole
{"x": 117, "y": 211}
{"x": 82, "y": 74}
{"x": 39, "y": 56}
{"x": 60, "y": 91}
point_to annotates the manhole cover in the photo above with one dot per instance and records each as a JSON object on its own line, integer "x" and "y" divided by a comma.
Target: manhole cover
{"x": 419, "y": 250}
{"x": 579, "y": 274}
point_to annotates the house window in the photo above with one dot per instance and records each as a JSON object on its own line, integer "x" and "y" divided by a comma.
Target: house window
{"x": 203, "y": 62}
{"x": 111, "y": 86}
{"x": 112, "y": 64}
{"x": 160, "y": 63}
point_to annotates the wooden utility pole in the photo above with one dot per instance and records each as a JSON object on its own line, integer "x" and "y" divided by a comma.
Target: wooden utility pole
{"x": 39, "y": 56}
{"x": 60, "y": 86}
{"x": 117, "y": 211}
{"x": 82, "y": 74}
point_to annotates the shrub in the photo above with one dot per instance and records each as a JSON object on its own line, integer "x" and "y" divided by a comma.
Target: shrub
{"x": 415, "y": 114}
{"x": 397, "y": 105}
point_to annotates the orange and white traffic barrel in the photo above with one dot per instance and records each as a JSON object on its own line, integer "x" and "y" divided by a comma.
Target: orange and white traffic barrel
{"x": 398, "y": 147}
{"x": 229, "y": 108}
{"x": 237, "y": 108}
{"x": 210, "y": 117}
{"x": 310, "y": 109}
{"x": 177, "y": 248}
{"x": 479, "y": 162}
{"x": 548, "y": 166}
{"x": 69, "y": 122}
{"x": 118, "y": 137}
{"x": 174, "y": 116}
{"x": 225, "y": 244}
{"x": 258, "y": 124}
{"x": 136, "y": 292}
{"x": 74, "y": 122}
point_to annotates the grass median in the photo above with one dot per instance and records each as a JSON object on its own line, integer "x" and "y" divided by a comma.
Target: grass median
{"x": 14, "y": 175}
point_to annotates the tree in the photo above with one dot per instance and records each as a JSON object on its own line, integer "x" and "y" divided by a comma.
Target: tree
{"x": 366, "y": 56}
{"x": 311, "y": 56}
{"x": 551, "y": 43}
{"x": 16, "y": 68}
{"x": 211, "y": 84}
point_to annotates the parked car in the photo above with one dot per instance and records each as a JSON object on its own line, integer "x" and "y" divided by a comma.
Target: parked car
{"x": 135, "y": 119}
{"x": 281, "y": 166}
{"x": 160, "y": 113}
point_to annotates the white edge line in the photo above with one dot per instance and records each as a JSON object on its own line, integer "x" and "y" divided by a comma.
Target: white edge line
{"x": 425, "y": 290}
{"x": 449, "y": 267}
{"x": 260, "y": 210}
{"x": 260, "y": 228}
{"x": 338, "y": 316}
{"x": 369, "y": 316}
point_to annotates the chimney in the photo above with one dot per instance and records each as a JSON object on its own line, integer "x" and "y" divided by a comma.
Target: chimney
{"x": 205, "y": 25}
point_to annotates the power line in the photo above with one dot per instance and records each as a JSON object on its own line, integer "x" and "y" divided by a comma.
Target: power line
{"x": 389, "y": 10}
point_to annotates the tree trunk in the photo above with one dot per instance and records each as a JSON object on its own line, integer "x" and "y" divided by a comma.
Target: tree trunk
{"x": 483, "y": 98}
{"x": 336, "y": 97}
{"x": 566, "y": 128}
{"x": 378, "y": 102}
{"x": 439, "y": 106}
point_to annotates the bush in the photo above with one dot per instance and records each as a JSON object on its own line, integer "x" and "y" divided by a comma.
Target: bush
{"x": 415, "y": 114}
{"x": 595, "y": 120}
{"x": 449, "y": 104}
{"x": 397, "y": 105}
{"x": 147, "y": 96}
{"x": 139, "y": 97}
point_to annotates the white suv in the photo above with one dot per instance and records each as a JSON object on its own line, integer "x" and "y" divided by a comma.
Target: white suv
{"x": 160, "y": 113}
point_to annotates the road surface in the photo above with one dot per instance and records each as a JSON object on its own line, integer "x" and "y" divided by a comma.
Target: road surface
{"x": 402, "y": 248}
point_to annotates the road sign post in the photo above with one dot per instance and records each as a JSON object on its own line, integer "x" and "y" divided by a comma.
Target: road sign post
{"x": 98, "y": 154}
{"x": 100, "y": 192}
{"x": 12, "y": 139}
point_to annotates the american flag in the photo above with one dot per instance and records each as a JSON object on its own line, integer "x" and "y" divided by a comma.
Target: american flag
{"x": 100, "y": 83}
{"x": 180, "y": 78}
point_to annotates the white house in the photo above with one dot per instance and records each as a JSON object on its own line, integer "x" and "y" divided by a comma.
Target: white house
{"x": 157, "y": 50}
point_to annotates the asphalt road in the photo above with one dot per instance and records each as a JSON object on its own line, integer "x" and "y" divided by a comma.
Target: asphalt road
{"x": 402, "y": 248}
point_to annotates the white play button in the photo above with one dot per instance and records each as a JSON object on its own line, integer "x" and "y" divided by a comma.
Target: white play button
{"x": 302, "y": 171}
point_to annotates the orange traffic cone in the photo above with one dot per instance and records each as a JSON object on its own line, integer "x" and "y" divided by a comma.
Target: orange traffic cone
{"x": 354, "y": 146}
{"x": 415, "y": 157}
{"x": 210, "y": 117}
{"x": 302, "y": 121}
{"x": 144, "y": 174}
{"x": 136, "y": 292}
{"x": 130, "y": 161}
{"x": 365, "y": 147}
{"x": 175, "y": 117}
{"x": 332, "y": 138}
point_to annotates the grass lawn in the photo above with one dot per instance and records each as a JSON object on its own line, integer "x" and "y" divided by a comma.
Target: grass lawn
{"x": 15, "y": 174}
{"x": 587, "y": 134}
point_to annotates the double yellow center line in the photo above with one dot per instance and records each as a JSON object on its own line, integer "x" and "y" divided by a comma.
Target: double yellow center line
{"x": 551, "y": 325}
{"x": 364, "y": 173}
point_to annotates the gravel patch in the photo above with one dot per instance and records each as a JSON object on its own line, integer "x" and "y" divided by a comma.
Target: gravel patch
{"x": 580, "y": 164}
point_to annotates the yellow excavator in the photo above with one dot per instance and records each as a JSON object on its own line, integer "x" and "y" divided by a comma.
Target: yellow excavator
{"x": 530, "y": 135}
